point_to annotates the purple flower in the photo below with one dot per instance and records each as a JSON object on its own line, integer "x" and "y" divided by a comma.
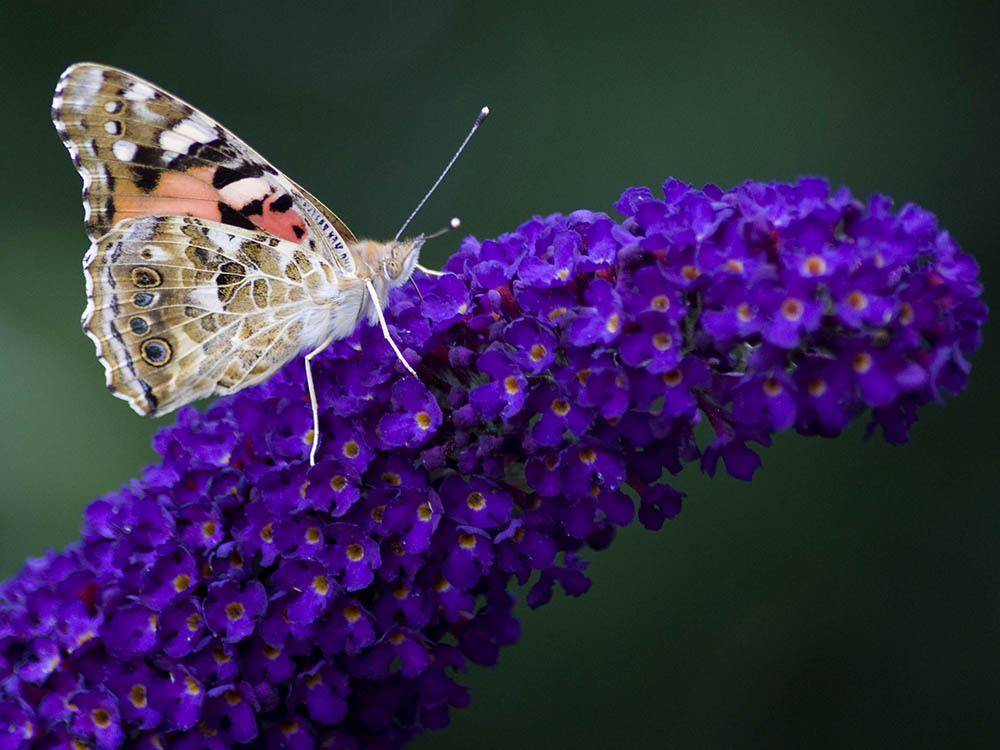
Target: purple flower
{"x": 504, "y": 396}
{"x": 231, "y": 712}
{"x": 231, "y": 609}
{"x": 415, "y": 416}
{"x": 446, "y": 299}
{"x": 603, "y": 321}
{"x": 179, "y": 698}
{"x": 654, "y": 346}
{"x": 323, "y": 690}
{"x": 181, "y": 626}
{"x": 312, "y": 589}
{"x": 96, "y": 718}
{"x": 354, "y": 556}
{"x": 559, "y": 412}
{"x": 790, "y": 310}
{"x": 555, "y": 264}
{"x": 236, "y": 595}
{"x": 476, "y": 502}
{"x": 532, "y": 345}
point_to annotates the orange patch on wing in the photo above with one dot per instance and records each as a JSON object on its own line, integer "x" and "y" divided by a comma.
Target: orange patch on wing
{"x": 176, "y": 194}
{"x": 127, "y": 208}
{"x": 280, "y": 223}
{"x": 195, "y": 183}
{"x": 191, "y": 193}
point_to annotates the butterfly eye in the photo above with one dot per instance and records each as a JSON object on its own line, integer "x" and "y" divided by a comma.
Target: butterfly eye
{"x": 393, "y": 268}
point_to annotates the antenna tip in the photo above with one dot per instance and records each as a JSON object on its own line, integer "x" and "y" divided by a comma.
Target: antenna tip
{"x": 455, "y": 223}
{"x": 484, "y": 112}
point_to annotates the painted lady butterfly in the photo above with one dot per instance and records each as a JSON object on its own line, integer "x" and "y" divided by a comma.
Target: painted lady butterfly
{"x": 209, "y": 269}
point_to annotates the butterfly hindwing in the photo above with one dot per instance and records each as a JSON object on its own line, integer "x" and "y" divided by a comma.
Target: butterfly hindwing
{"x": 181, "y": 307}
{"x": 143, "y": 152}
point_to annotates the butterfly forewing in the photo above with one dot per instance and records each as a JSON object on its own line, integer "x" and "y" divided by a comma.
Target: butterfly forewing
{"x": 143, "y": 152}
{"x": 181, "y": 308}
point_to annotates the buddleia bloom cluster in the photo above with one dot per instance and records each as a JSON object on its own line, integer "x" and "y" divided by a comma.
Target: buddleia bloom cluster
{"x": 235, "y": 594}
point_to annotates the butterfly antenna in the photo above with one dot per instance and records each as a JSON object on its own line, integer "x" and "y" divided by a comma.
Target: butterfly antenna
{"x": 483, "y": 113}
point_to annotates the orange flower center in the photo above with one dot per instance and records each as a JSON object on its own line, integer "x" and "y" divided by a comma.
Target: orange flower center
{"x": 815, "y": 265}
{"x": 792, "y": 309}
{"x": 862, "y": 362}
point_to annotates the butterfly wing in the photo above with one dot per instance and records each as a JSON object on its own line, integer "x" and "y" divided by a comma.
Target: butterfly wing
{"x": 143, "y": 152}
{"x": 181, "y": 308}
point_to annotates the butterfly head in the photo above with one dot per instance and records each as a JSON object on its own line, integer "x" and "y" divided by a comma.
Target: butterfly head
{"x": 398, "y": 259}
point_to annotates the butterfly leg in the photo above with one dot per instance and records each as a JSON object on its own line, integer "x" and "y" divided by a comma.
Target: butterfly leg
{"x": 385, "y": 327}
{"x": 312, "y": 397}
{"x": 428, "y": 271}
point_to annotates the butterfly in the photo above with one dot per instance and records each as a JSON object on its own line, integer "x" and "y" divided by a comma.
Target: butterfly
{"x": 208, "y": 268}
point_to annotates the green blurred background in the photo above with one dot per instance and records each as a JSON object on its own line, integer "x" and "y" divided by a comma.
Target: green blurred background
{"x": 849, "y": 595}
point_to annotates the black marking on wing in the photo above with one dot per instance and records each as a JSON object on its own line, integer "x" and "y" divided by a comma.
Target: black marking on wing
{"x": 234, "y": 218}
{"x": 253, "y": 208}
{"x": 225, "y": 175}
{"x": 128, "y": 357}
{"x": 146, "y": 178}
{"x": 282, "y": 204}
{"x": 230, "y": 273}
{"x": 109, "y": 179}
{"x": 152, "y": 400}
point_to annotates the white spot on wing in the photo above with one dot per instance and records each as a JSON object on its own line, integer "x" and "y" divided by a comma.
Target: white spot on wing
{"x": 229, "y": 244}
{"x": 112, "y": 107}
{"x": 170, "y": 140}
{"x": 145, "y": 113}
{"x": 140, "y": 230}
{"x": 207, "y": 298}
{"x": 195, "y": 130}
{"x": 113, "y": 127}
{"x": 63, "y": 80}
{"x": 243, "y": 191}
{"x": 123, "y": 150}
{"x": 86, "y": 87}
{"x": 139, "y": 92}
{"x": 88, "y": 258}
{"x": 154, "y": 253}
{"x": 85, "y": 174}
